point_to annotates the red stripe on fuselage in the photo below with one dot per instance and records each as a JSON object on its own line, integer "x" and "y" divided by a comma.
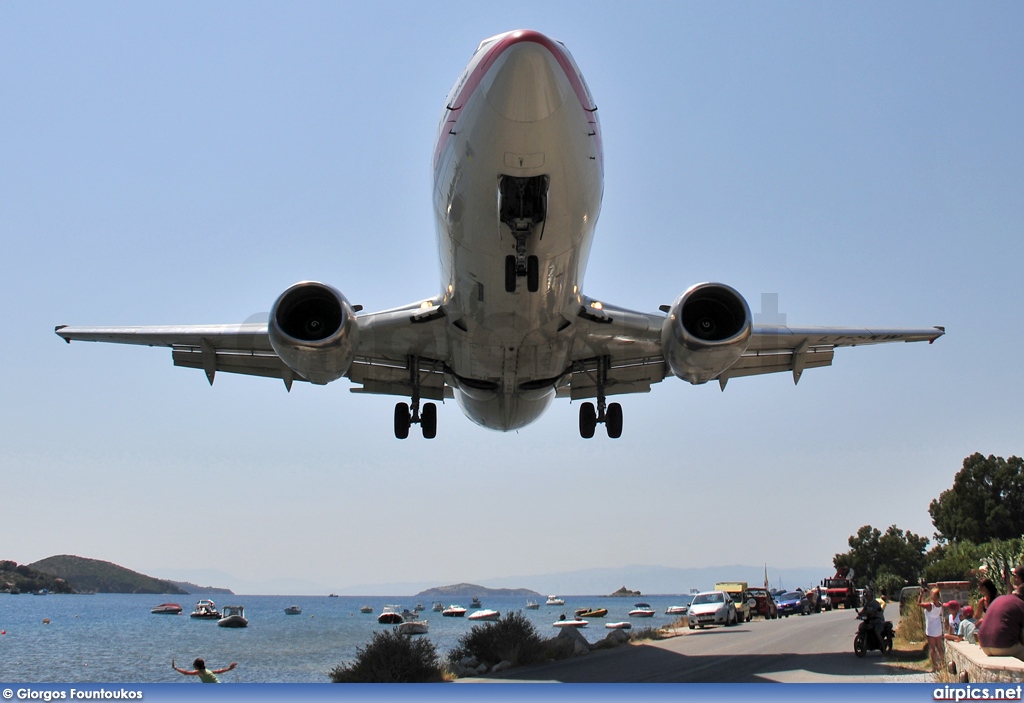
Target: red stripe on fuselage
{"x": 492, "y": 54}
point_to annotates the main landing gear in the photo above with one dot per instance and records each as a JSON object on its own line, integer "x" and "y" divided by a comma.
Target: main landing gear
{"x": 609, "y": 415}
{"x": 407, "y": 414}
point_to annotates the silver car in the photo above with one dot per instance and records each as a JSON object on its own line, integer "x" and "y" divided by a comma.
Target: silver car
{"x": 711, "y": 608}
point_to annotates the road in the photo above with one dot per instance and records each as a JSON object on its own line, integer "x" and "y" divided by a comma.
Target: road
{"x": 812, "y": 648}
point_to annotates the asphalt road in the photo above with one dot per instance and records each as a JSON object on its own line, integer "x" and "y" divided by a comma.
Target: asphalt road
{"x": 812, "y": 648}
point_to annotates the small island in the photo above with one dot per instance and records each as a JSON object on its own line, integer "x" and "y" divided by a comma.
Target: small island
{"x": 624, "y": 593}
{"x": 469, "y": 590}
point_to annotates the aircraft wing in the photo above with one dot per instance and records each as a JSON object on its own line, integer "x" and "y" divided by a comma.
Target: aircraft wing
{"x": 626, "y": 347}
{"x": 386, "y": 341}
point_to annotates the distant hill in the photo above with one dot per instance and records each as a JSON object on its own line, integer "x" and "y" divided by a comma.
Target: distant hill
{"x": 102, "y": 576}
{"x": 203, "y": 590}
{"x": 469, "y": 590}
{"x": 19, "y": 578}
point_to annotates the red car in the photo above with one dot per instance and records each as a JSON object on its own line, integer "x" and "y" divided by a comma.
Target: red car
{"x": 765, "y": 603}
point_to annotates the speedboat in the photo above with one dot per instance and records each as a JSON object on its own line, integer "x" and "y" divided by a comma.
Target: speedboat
{"x": 437, "y": 607}
{"x": 205, "y": 610}
{"x": 389, "y": 616}
{"x": 554, "y": 600}
{"x": 475, "y": 603}
{"x": 366, "y": 609}
{"x": 642, "y": 610}
{"x": 532, "y": 605}
{"x": 419, "y": 608}
{"x": 413, "y": 627}
{"x": 591, "y": 612}
{"x": 293, "y": 610}
{"x": 234, "y": 616}
{"x": 485, "y": 615}
{"x": 619, "y": 625}
{"x": 676, "y": 610}
{"x": 577, "y": 622}
{"x": 167, "y": 609}
{"x": 454, "y": 611}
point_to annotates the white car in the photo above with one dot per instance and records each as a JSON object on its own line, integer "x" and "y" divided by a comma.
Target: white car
{"x": 711, "y": 608}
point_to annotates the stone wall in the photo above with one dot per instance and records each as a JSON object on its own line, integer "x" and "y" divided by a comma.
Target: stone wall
{"x": 969, "y": 664}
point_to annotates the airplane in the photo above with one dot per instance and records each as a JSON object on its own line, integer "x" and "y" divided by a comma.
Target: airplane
{"x": 518, "y": 172}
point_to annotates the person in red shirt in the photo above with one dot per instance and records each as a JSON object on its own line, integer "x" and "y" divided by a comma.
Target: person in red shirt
{"x": 1001, "y": 628}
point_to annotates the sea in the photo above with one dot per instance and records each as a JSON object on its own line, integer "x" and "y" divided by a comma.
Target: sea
{"x": 113, "y": 638}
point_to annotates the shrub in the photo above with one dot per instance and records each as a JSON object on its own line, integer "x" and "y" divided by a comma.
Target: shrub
{"x": 910, "y": 628}
{"x": 513, "y": 638}
{"x": 391, "y": 658}
{"x": 646, "y": 633}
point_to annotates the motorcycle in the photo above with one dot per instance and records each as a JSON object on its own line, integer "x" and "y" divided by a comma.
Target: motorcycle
{"x": 866, "y": 639}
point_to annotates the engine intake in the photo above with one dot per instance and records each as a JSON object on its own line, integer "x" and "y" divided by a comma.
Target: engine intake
{"x": 707, "y": 330}
{"x": 314, "y": 330}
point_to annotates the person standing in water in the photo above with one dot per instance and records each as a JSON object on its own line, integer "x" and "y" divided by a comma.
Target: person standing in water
{"x": 205, "y": 675}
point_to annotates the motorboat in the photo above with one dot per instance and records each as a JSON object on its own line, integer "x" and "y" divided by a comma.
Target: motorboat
{"x": 677, "y": 610}
{"x": 475, "y": 603}
{"x": 619, "y": 625}
{"x": 554, "y": 600}
{"x": 532, "y": 605}
{"x": 576, "y": 622}
{"x": 485, "y": 615}
{"x": 332, "y": 595}
{"x": 454, "y": 611}
{"x": 234, "y": 616}
{"x": 390, "y": 616}
{"x": 419, "y": 608}
{"x": 366, "y": 609}
{"x": 205, "y": 610}
{"x": 591, "y": 612}
{"x": 167, "y": 609}
{"x": 413, "y": 627}
{"x": 642, "y": 610}
{"x": 437, "y": 607}
{"x": 293, "y": 610}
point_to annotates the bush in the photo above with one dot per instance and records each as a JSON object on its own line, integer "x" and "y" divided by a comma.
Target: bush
{"x": 513, "y": 638}
{"x": 646, "y": 633}
{"x": 391, "y": 658}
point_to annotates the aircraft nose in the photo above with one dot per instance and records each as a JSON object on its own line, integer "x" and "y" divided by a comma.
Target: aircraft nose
{"x": 527, "y": 85}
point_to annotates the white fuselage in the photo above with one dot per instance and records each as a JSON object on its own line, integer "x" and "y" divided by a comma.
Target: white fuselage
{"x": 520, "y": 109}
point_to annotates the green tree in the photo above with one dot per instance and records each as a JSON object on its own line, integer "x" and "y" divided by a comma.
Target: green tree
{"x": 897, "y": 554}
{"x": 985, "y": 503}
{"x": 955, "y": 561}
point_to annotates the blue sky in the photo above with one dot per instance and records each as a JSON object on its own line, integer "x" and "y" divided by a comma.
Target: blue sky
{"x": 185, "y": 162}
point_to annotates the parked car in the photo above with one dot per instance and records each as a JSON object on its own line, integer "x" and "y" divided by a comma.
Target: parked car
{"x": 711, "y": 608}
{"x": 793, "y": 603}
{"x": 766, "y": 605}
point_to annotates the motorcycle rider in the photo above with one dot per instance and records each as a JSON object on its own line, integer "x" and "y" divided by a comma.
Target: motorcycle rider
{"x": 874, "y": 616}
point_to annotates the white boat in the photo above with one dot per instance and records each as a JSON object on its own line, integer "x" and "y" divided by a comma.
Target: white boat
{"x": 532, "y": 605}
{"x": 293, "y": 610}
{"x": 642, "y": 610}
{"x": 205, "y": 610}
{"x": 437, "y": 607}
{"x": 234, "y": 616}
{"x": 619, "y": 625}
{"x": 414, "y": 627}
{"x": 389, "y": 616}
{"x": 554, "y": 600}
{"x": 366, "y": 609}
{"x": 676, "y": 610}
{"x": 475, "y": 603}
{"x": 571, "y": 623}
{"x": 485, "y": 615}
{"x": 454, "y": 611}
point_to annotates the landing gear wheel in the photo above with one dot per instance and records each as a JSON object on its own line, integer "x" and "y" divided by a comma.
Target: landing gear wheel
{"x": 402, "y": 419}
{"x": 510, "y": 274}
{"x": 428, "y": 421}
{"x": 613, "y": 422}
{"x": 588, "y": 420}
{"x": 532, "y": 274}
{"x": 859, "y": 645}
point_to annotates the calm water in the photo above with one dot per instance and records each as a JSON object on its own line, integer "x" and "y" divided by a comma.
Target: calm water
{"x": 114, "y": 638}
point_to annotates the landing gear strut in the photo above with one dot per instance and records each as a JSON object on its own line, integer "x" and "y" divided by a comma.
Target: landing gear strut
{"x": 407, "y": 414}
{"x": 609, "y": 415}
{"x": 522, "y": 207}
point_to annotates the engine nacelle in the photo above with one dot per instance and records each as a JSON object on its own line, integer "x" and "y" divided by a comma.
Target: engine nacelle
{"x": 707, "y": 330}
{"x": 314, "y": 330}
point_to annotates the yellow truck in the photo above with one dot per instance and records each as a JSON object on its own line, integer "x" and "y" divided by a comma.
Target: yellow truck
{"x": 737, "y": 591}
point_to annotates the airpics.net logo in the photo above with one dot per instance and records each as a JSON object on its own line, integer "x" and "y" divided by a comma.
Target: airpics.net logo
{"x": 978, "y": 693}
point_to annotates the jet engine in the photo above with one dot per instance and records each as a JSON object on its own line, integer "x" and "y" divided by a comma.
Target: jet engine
{"x": 313, "y": 329}
{"x": 706, "y": 331}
